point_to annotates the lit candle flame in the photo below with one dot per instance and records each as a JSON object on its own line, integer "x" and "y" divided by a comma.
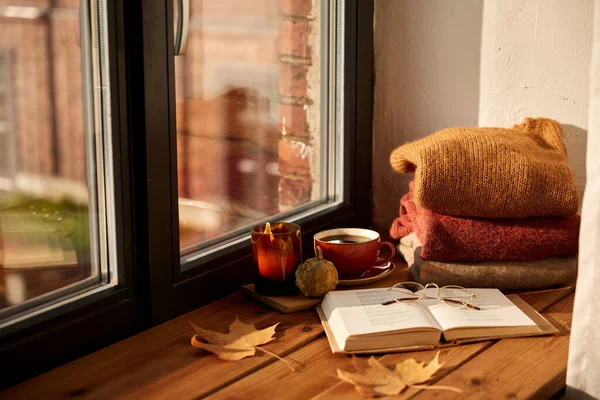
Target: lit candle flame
{"x": 268, "y": 231}
{"x": 283, "y": 250}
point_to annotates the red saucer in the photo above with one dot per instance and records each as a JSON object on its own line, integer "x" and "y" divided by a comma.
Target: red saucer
{"x": 371, "y": 275}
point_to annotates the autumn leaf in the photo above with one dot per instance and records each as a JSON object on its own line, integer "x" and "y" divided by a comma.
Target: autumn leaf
{"x": 374, "y": 379}
{"x": 413, "y": 372}
{"x": 240, "y": 342}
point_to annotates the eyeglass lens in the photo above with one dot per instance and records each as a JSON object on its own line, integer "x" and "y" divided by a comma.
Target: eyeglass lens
{"x": 455, "y": 296}
{"x": 408, "y": 291}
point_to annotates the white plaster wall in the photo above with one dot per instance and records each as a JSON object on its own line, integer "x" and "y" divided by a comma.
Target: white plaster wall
{"x": 535, "y": 61}
{"x": 427, "y": 56}
{"x": 441, "y": 63}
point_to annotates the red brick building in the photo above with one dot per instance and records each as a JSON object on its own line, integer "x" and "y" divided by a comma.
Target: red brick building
{"x": 244, "y": 103}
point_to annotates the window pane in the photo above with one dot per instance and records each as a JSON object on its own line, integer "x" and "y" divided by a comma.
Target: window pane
{"x": 249, "y": 115}
{"x": 49, "y": 192}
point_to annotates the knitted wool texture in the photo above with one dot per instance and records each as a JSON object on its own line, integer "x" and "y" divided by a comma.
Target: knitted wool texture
{"x": 492, "y": 172}
{"x": 503, "y": 275}
{"x": 447, "y": 238}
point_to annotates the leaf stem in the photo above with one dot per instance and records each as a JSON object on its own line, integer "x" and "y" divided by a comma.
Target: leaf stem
{"x": 289, "y": 364}
{"x": 440, "y": 387}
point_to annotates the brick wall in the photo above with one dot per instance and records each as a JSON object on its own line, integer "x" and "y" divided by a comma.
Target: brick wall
{"x": 224, "y": 150}
{"x": 32, "y": 122}
{"x": 218, "y": 123}
{"x": 47, "y": 94}
{"x": 227, "y": 136}
{"x": 295, "y": 147}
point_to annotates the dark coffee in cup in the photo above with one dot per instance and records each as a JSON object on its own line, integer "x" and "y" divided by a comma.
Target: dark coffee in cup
{"x": 353, "y": 251}
{"x": 345, "y": 239}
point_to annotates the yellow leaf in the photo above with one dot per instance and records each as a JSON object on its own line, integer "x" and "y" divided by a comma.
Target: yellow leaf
{"x": 222, "y": 352}
{"x": 413, "y": 372}
{"x": 238, "y": 343}
{"x": 374, "y": 379}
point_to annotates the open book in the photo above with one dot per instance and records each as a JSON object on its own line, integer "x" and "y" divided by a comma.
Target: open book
{"x": 355, "y": 321}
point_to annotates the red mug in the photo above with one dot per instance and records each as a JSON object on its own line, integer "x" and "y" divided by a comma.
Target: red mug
{"x": 353, "y": 251}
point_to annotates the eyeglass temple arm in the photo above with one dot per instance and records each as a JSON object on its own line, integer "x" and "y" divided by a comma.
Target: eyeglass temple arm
{"x": 387, "y": 303}
{"x": 462, "y": 303}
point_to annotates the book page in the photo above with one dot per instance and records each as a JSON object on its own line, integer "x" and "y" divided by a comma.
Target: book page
{"x": 361, "y": 312}
{"x": 496, "y": 311}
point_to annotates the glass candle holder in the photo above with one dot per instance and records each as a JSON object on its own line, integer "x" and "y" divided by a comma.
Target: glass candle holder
{"x": 277, "y": 253}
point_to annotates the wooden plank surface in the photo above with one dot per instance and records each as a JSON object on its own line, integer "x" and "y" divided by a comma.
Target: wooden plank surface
{"x": 285, "y": 304}
{"x": 160, "y": 363}
{"x": 541, "y": 300}
{"x": 278, "y": 382}
{"x": 205, "y": 373}
{"x": 163, "y": 359}
{"x": 451, "y": 357}
{"x": 523, "y": 368}
{"x": 275, "y": 382}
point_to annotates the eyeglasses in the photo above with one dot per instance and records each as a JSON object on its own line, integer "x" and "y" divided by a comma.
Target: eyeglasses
{"x": 411, "y": 292}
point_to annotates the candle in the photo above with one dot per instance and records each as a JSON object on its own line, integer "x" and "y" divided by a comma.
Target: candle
{"x": 277, "y": 252}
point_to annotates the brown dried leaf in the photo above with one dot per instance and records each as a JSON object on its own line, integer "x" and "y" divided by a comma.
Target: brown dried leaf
{"x": 374, "y": 379}
{"x": 222, "y": 352}
{"x": 413, "y": 372}
{"x": 240, "y": 342}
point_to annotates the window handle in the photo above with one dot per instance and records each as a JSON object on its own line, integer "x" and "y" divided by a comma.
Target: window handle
{"x": 183, "y": 19}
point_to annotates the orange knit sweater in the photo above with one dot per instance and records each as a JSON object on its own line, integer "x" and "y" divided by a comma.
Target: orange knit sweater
{"x": 492, "y": 172}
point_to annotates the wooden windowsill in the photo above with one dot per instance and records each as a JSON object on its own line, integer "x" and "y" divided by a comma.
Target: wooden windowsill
{"x": 161, "y": 363}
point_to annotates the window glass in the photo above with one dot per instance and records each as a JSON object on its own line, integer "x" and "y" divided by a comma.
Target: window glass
{"x": 50, "y": 191}
{"x": 249, "y": 138}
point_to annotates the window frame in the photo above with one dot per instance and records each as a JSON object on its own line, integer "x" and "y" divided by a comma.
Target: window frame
{"x": 95, "y": 321}
{"x": 104, "y": 275}
{"x": 143, "y": 117}
{"x": 218, "y": 274}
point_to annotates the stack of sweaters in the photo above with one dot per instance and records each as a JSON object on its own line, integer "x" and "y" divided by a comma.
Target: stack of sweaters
{"x": 489, "y": 207}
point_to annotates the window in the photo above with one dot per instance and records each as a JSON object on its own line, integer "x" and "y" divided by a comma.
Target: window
{"x": 55, "y": 200}
{"x": 252, "y": 107}
{"x": 160, "y": 164}
{"x": 62, "y": 227}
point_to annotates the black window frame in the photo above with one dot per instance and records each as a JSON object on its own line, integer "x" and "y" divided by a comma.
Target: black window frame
{"x": 143, "y": 117}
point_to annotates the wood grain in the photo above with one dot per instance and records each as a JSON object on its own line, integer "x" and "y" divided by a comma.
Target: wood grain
{"x": 207, "y": 373}
{"x": 541, "y": 300}
{"x": 277, "y": 382}
{"x": 285, "y": 304}
{"x": 454, "y": 356}
{"x": 161, "y": 363}
{"x": 515, "y": 368}
{"x": 162, "y": 359}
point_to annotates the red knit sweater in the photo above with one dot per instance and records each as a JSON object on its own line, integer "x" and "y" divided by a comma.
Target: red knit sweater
{"x": 447, "y": 238}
